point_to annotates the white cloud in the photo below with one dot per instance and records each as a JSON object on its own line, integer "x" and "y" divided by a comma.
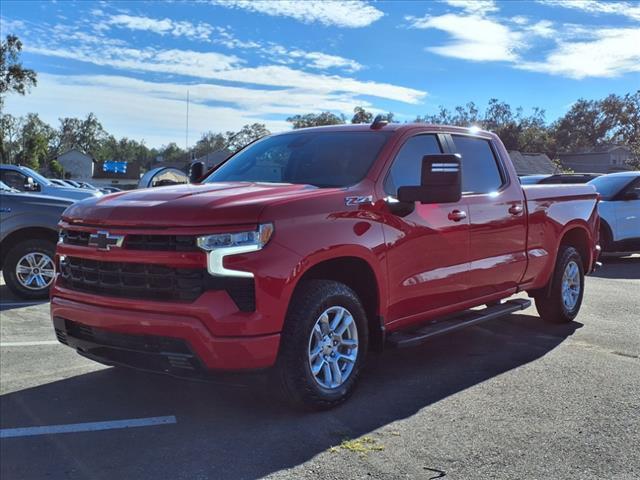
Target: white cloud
{"x": 144, "y": 111}
{"x": 217, "y": 66}
{"x": 614, "y": 52}
{"x": 346, "y": 13}
{"x": 474, "y": 37}
{"x": 180, "y": 62}
{"x": 627, "y": 9}
{"x": 200, "y": 31}
{"x": 474, "y": 6}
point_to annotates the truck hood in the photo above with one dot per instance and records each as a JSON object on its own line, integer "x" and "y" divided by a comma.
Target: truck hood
{"x": 214, "y": 204}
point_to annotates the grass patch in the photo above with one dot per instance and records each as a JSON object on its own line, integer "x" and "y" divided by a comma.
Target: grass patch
{"x": 362, "y": 446}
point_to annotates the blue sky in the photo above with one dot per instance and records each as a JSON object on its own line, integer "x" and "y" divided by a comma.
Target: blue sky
{"x": 132, "y": 63}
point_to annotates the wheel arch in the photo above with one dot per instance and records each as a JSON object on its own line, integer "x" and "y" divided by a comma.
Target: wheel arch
{"x": 29, "y": 233}
{"x": 358, "y": 274}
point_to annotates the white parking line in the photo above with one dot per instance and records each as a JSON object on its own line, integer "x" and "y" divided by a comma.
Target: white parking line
{"x": 29, "y": 344}
{"x": 86, "y": 427}
{"x": 18, "y": 304}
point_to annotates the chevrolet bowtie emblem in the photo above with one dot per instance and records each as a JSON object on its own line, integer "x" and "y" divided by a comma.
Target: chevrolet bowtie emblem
{"x": 104, "y": 240}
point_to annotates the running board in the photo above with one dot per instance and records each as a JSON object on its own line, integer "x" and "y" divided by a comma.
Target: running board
{"x": 465, "y": 319}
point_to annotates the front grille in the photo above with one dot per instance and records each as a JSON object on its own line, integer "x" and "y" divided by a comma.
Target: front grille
{"x": 171, "y": 243}
{"x": 151, "y": 282}
{"x": 132, "y": 280}
{"x": 75, "y": 237}
{"x": 165, "y": 243}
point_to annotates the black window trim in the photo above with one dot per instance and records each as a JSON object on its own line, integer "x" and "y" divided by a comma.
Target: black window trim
{"x": 440, "y": 138}
{"x": 506, "y": 180}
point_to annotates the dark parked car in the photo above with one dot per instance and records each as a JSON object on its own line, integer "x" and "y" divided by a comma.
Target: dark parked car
{"x": 558, "y": 178}
{"x": 28, "y": 236}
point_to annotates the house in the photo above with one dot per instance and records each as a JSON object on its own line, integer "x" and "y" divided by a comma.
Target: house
{"x": 532, "y": 163}
{"x": 600, "y": 159}
{"x": 76, "y": 164}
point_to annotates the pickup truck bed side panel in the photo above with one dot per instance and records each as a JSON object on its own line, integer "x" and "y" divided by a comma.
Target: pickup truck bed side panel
{"x": 553, "y": 211}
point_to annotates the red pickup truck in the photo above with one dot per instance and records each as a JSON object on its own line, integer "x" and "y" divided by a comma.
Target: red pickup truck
{"x": 308, "y": 248}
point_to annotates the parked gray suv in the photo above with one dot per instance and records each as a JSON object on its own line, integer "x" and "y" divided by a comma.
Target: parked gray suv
{"x": 27, "y": 180}
{"x": 28, "y": 237}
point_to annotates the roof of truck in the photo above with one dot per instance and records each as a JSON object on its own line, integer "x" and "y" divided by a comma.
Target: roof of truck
{"x": 395, "y": 127}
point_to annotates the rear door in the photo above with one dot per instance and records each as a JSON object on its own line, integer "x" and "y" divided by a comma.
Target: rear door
{"x": 497, "y": 218}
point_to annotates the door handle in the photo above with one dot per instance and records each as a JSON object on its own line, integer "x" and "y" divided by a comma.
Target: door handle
{"x": 457, "y": 215}
{"x": 515, "y": 209}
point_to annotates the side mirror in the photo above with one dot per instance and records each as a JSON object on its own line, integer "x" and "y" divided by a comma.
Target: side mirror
{"x": 31, "y": 186}
{"x": 196, "y": 172}
{"x": 441, "y": 181}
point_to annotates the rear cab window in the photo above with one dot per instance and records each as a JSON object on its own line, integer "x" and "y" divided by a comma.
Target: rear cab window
{"x": 481, "y": 171}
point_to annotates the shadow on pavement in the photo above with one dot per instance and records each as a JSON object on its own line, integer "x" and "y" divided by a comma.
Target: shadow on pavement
{"x": 246, "y": 433}
{"x": 9, "y": 301}
{"x": 622, "y": 267}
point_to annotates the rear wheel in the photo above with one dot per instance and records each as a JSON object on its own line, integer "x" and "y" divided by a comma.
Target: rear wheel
{"x": 606, "y": 242}
{"x": 563, "y": 297}
{"x": 323, "y": 345}
{"x": 29, "y": 268}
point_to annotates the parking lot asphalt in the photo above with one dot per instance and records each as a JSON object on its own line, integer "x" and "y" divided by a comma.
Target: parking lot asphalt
{"x": 511, "y": 398}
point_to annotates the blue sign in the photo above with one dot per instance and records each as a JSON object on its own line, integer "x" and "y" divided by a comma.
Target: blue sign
{"x": 114, "y": 166}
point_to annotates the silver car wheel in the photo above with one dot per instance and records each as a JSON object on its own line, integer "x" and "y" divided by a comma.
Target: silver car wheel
{"x": 571, "y": 285}
{"x": 35, "y": 271}
{"x": 333, "y": 347}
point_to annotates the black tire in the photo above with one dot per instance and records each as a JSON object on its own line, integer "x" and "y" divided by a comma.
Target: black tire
{"x": 39, "y": 246}
{"x": 298, "y": 384}
{"x": 550, "y": 305}
{"x": 606, "y": 242}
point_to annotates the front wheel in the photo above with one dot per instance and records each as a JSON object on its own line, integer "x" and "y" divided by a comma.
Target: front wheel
{"x": 29, "y": 268}
{"x": 323, "y": 345}
{"x": 563, "y": 297}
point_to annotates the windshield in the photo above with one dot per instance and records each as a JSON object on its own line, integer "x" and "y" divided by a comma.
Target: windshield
{"x": 323, "y": 159}
{"x": 608, "y": 186}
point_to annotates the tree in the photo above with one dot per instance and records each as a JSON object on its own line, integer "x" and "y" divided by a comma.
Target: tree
{"x": 10, "y": 129}
{"x": 612, "y": 120}
{"x": 13, "y": 76}
{"x": 37, "y": 137}
{"x": 360, "y": 115}
{"x": 86, "y": 135}
{"x": 234, "y": 141}
{"x": 315, "y": 120}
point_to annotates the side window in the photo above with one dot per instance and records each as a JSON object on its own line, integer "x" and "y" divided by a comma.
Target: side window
{"x": 13, "y": 179}
{"x": 406, "y": 168}
{"x": 634, "y": 188}
{"x": 480, "y": 172}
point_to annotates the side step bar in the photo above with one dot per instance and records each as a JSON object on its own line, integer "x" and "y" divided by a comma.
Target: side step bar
{"x": 450, "y": 324}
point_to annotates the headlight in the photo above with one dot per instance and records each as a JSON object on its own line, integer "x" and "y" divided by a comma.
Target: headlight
{"x": 221, "y": 245}
{"x": 257, "y": 238}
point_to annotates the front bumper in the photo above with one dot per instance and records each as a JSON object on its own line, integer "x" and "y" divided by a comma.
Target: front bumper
{"x": 177, "y": 344}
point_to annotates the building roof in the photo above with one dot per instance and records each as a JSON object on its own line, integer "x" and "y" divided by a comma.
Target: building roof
{"x": 597, "y": 150}
{"x": 76, "y": 150}
{"x": 532, "y": 163}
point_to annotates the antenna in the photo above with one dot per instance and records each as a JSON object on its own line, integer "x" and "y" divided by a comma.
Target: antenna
{"x": 379, "y": 122}
{"x": 187, "y": 130}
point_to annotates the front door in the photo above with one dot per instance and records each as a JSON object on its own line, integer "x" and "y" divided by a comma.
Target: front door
{"x": 627, "y": 208}
{"x": 497, "y": 218}
{"x": 427, "y": 245}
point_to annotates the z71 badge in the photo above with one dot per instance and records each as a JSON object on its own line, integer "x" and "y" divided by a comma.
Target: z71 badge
{"x": 350, "y": 201}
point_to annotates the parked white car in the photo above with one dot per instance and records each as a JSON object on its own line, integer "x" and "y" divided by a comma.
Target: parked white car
{"x": 619, "y": 211}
